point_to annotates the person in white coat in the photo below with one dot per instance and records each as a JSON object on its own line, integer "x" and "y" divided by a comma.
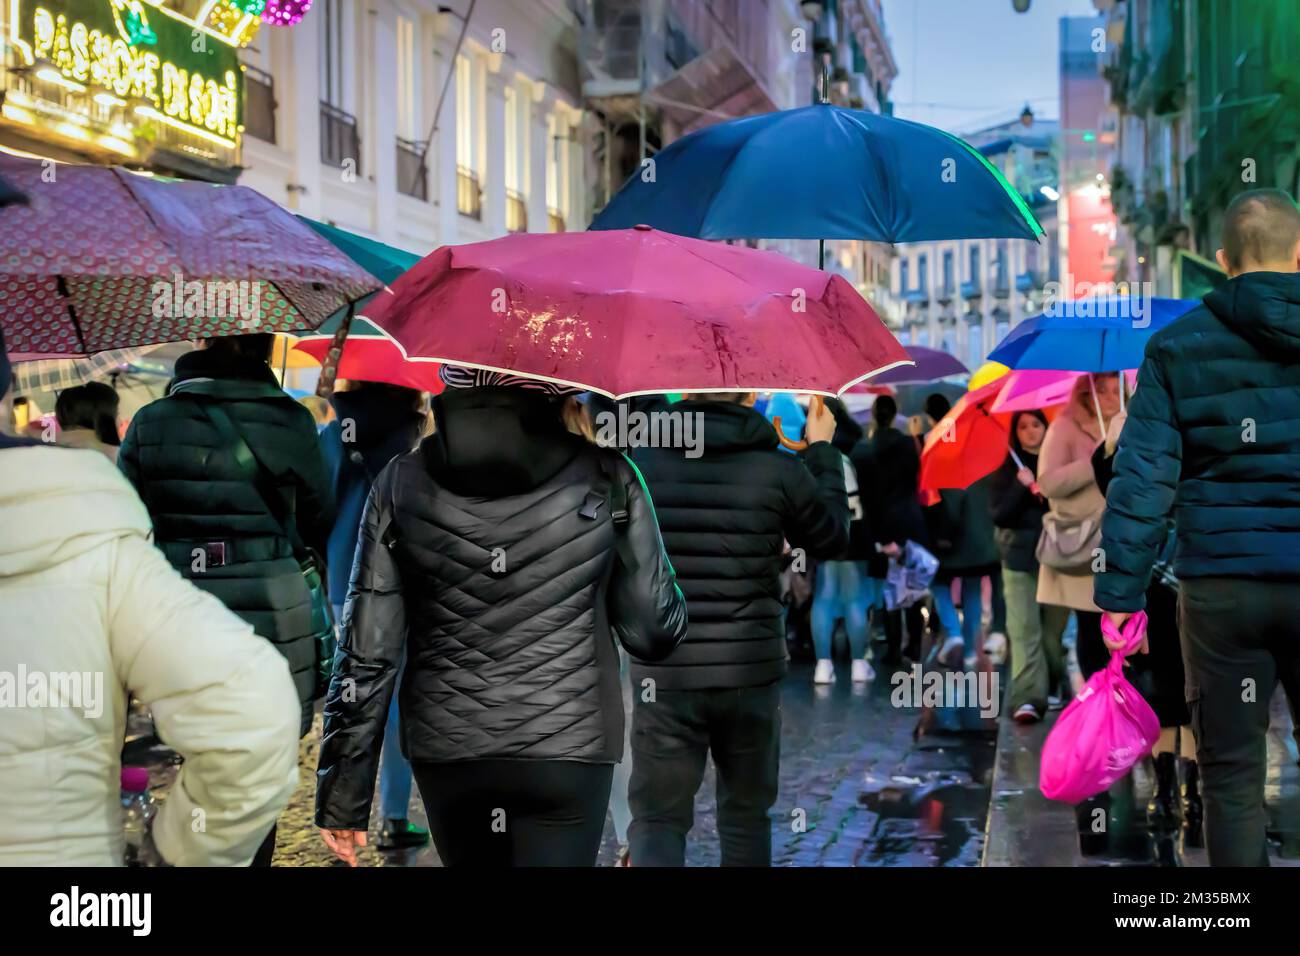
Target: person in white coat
{"x": 89, "y": 611}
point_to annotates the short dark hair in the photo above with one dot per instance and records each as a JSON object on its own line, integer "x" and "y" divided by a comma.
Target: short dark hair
{"x": 93, "y": 406}
{"x": 937, "y": 405}
{"x": 255, "y": 345}
{"x": 1260, "y": 226}
{"x": 884, "y": 411}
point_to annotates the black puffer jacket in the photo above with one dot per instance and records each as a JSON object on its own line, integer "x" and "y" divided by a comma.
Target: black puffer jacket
{"x": 1017, "y": 511}
{"x": 888, "y": 468}
{"x": 724, "y": 516}
{"x": 478, "y": 567}
{"x": 199, "y": 497}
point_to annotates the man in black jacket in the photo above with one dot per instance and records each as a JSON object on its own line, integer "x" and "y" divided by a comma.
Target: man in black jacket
{"x": 1211, "y": 439}
{"x": 210, "y": 515}
{"x": 725, "y": 515}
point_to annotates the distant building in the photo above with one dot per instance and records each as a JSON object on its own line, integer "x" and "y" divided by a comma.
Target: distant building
{"x": 963, "y": 296}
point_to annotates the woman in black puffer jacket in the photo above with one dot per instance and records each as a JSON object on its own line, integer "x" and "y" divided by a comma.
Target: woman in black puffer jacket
{"x": 498, "y": 560}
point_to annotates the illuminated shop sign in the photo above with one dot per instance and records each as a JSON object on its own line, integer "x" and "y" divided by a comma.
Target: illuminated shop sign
{"x": 158, "y": 65}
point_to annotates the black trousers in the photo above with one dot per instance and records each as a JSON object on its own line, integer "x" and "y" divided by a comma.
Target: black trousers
{"x": 266, "y": 851}
{"x": 515, "y": 812}
{"x": 671, "y": 738}
{"x": 1240, "y": 637}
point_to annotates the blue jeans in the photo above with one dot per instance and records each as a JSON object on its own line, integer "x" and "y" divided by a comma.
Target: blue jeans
{"x": 394, "y": 770}
{"x": 972, "y": 611}
{"x": 843, "y": 591}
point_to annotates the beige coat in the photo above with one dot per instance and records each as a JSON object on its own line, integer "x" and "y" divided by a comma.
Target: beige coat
{"x": 89, "y": 605}
{"x": 1065, "y": 476}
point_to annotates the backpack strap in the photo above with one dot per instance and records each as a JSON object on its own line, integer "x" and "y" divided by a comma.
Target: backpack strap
{"x": 611, "y": 491}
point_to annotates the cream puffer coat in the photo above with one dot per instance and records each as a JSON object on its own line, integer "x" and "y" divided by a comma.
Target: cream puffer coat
{"x": 82, "y": 591}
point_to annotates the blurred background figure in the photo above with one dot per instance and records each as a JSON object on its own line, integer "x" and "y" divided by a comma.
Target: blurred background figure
{"x": 370, "y": 424}
{"x": 87, "y": 416}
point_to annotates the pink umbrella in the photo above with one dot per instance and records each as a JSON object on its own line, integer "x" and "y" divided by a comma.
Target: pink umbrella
{"x": 636, "y": 312}
{"x": 1031, "y": 388}
{"x": 101, "y": 258}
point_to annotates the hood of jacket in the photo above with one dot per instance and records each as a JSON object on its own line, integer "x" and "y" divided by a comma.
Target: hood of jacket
{"x": 384, "y": 425}
{"x": 58, "y": 503}
{"x": 1263, "y": 308}
{"x": 728, "y": 426}
{"x": 496, "y": 441}
{"x": 205, "y": 372}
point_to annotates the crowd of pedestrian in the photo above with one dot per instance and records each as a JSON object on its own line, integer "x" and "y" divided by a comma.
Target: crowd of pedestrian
{"x": 489, "y": 604}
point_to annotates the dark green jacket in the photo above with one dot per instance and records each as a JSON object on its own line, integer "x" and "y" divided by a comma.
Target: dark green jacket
{"x": 1213, "y": 438}
{"x": 203, "y": 505}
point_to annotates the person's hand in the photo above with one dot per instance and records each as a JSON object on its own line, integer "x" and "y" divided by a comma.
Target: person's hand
{"x": 821, "y": 423}
{"x": 1026, "y": 478}
{"x": 916, "y": 426}
{"x": 343, "y": 843}
{"x": 1118, "y": 618}
{"x": 1113, "y": 429}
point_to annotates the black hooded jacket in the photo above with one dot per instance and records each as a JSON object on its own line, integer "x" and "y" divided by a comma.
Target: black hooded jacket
{"x": 200, "y": 498}
{"x": 489, "y": 562}
{"x": 1017, "y": 511}
{"x": 724, "y": 517}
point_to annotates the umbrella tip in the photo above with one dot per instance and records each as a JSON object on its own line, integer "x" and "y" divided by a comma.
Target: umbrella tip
{"x": 642, "y": 227}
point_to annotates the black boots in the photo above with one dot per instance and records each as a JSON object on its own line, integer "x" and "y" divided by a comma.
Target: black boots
{"x": 1193, "y": 810}
{"x": 1162, "y": 812}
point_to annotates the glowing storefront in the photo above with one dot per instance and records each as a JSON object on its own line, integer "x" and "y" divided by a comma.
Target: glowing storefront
{"x": 150, "y": 83}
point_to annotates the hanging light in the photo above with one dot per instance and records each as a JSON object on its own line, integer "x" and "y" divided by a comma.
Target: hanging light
{"x": 285, "y": 13}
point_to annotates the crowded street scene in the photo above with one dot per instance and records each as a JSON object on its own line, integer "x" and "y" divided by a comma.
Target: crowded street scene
{"x": 644, "y": 434}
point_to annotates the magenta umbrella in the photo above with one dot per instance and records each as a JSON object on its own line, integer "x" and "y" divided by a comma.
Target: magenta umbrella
{"x": 101, "y": 258}
{"x": 1031, "y": 388}
{"x": 636, "y": 312}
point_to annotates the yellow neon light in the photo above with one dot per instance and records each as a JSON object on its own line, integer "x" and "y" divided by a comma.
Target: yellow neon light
{"x": 51, "y": 75}
{"x": 70, "y": 131}
{"x": 116, "y": 145}
{"x": 17, "y": 114}
{"x": 152, "y": 113}
{"x": 108, "y": 99}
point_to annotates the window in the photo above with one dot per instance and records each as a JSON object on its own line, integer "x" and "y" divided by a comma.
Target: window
{"x": 469, "y": 192}
{"x": 974, "y": 263}
{"x": 559, "y": 158}
{"x": 259, "y": 103}
{"x": 516, "y": 204}
{"x": 947, "y": 271}
{"x": 975, "y": 345}
{"x": 334, "y": 52}
{"x": 902, "y": 276}
{"x": 408, "y": 81}
{"x": 921, "y": 275}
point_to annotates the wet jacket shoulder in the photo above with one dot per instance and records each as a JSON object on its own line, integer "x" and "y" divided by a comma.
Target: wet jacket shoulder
{"x": 1211, "y": 440}
{"x": 490, "y": 563}
{"x": 726, "y": 507}
{"x": 198, "y": 495}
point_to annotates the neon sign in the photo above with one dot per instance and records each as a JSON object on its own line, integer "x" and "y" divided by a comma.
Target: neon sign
{"x": 175, "y": 72}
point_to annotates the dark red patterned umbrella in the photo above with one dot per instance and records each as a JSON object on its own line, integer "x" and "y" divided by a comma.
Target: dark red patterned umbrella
{"x": 102, "y": 258}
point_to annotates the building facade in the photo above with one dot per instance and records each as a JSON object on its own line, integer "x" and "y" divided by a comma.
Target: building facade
{"x": 1205, "y": 103}
{"x": 398, "y": 120}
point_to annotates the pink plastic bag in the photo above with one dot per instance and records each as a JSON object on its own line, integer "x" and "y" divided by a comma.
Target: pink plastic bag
{"x": 1106, "y": 729}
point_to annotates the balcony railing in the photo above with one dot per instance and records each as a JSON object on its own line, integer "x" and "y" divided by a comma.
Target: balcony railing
{"x": 555, "y": 220}
{"x": 916, "y": 295}
{"x": 259, "y": 104}
{"x": 516, "y": 212}
{"x": 1001, "y": 288}
{"x": 469, "y": 194}
{"x": 971, "y": 289}
{"x": 339, "y": 141}
{"x": 1028, "y": 280}
{"x": 412, "y": 176}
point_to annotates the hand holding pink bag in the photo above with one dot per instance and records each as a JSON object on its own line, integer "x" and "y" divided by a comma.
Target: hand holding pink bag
{"x": 1106, "y": 729}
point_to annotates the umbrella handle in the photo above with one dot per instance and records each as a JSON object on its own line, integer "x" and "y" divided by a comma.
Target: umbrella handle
{"x": 791, "y": 443}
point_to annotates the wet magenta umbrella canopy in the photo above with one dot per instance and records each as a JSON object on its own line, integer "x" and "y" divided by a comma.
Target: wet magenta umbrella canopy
{"x": 637, "y": 311}
{"x": 101, "y": 258}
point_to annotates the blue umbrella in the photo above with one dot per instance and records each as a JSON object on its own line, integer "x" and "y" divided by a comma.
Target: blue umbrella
{"x": 1100, "y": 334}
{"x": 822, "y": 172}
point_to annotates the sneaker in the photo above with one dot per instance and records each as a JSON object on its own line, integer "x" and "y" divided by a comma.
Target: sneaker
{"x": 824, "y": 672}
{"x": 1026, "y": 714}
{"x": 402, "y": 835}
{"x": 952, "y": 652}
{"x": 862, "y": 671}
{"x": 995, "y": 648}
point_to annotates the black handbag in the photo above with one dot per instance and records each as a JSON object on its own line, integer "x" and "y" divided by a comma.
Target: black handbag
{"x": 309, "y": 562}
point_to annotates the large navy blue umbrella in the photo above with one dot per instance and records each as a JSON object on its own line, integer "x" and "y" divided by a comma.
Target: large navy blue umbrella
{"x": 1098, "y": 334}
{"x": 822, "y": 172}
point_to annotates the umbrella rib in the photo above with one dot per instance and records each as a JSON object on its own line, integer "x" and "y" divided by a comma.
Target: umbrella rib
{"x": 62, "y": 285}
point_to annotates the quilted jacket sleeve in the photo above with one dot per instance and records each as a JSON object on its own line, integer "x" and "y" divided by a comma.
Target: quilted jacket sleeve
{"x": 1141, "y": 494}
{"x": 817, "y": 515}
{"x": 371, "y": 647}
{"x": 646, "y": 607}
